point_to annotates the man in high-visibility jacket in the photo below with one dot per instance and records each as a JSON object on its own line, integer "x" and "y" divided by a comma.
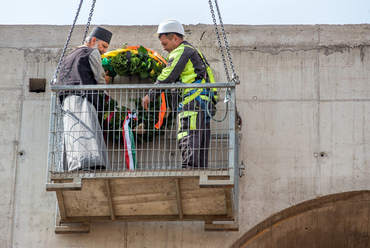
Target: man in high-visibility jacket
{"x": 187, "y": 65}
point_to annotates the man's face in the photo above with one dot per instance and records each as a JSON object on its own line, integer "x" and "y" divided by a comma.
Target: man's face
{"x": 169, "y": 44}
{"x": 102, "y": 46}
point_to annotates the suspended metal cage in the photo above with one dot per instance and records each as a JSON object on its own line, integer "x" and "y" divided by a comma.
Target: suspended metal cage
{"x": 89, "y": 164}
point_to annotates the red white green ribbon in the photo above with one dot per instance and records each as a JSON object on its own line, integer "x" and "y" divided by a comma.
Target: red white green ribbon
{"x": 129, "y": 142}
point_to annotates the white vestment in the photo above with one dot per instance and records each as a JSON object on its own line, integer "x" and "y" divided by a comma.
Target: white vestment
{"x": 84, "y": 145}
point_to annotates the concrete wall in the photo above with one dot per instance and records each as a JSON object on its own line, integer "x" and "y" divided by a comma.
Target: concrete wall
{"x": 303, "y": 99}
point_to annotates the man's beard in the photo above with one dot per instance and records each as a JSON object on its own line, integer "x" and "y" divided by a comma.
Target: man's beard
{"x": 97, "y": 47}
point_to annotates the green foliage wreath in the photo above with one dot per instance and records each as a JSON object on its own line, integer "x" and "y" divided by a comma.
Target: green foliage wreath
{"x": 134, "y": 61}
{"x": 129, "y": 61}
{"x": 144, "y": 127}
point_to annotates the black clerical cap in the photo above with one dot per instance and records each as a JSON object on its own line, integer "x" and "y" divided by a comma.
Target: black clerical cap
{"x": 101, "y": 34}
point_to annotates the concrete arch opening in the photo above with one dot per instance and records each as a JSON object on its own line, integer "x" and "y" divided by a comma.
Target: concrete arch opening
{"x": 338, "y": 220}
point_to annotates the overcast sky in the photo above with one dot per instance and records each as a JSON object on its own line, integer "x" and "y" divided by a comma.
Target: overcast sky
{"x": 152, "y": 12}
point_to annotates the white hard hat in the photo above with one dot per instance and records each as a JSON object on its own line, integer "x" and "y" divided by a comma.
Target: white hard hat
{"x": 170, "y": 26}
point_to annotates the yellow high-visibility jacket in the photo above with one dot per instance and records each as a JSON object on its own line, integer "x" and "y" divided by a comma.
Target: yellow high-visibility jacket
{"x": 187, "y": 65}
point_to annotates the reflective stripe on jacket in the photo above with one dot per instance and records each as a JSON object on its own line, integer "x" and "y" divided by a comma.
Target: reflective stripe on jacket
{"x": 184, "y": 65}
{"x": 187, "y": 65}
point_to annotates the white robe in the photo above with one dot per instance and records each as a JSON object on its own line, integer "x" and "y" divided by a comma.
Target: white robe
{"x": 84, "y": 145}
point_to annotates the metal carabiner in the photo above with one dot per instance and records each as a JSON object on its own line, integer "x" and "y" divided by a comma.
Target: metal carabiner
{"x": 227, "y": 96}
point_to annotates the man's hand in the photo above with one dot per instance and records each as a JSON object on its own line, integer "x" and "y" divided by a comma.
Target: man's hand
{"x": 145, "y": 102}
{"x": 107, "y": 78}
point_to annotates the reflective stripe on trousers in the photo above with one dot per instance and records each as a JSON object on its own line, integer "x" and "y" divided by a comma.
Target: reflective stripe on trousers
{"x": 193, "y": 135}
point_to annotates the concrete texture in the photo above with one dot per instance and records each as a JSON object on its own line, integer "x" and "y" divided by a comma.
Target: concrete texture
{"x": 303, "y": 99}
{"x": 338, "y": 220}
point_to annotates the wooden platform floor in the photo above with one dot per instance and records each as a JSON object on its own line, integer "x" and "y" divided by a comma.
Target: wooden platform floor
{"x": 142, "y": 199}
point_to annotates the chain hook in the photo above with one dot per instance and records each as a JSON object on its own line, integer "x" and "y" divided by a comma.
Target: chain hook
{"x": 235, "y": 79}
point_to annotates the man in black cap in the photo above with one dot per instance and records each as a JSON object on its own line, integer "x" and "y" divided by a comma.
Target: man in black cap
{"x": 83, "y": 66}
{"x": 84, "y": 145}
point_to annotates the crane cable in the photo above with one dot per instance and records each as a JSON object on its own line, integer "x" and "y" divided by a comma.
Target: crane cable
{"x": 54, "y": 80}
{"x": 235, "y": 77}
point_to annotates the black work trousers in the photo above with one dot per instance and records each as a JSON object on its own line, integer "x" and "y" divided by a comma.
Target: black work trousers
{"x": 194, "y": 134}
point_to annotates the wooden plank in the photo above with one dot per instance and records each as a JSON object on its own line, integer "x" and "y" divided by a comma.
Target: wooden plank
{"x": 179, "y": 202}
{"x": 61, "y": 207}
{"x": 110, "y": 201}
{"x": 228, "y": 201}
{"x": 148, "y": 218}
{"x": 205, "y": 181}
{"x": 72, "y": 228}
{"x": 201, "y": 201}
{"x": 90, "y": 201}
{"x": 56, "y": 186}
{"x": 145, "y": 196}
{"x": 221, "y": 227}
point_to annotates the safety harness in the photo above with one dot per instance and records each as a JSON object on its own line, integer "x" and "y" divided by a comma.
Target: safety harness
{"x": 202, "y": 95}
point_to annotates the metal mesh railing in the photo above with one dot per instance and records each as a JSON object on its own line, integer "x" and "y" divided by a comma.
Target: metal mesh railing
{"x": 104, "y": 130}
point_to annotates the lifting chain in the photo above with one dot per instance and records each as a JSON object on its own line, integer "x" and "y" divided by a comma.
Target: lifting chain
{"x": 88, "y": 21}
{"x": 54, "y": 80}
{"x": 235, "y": 77}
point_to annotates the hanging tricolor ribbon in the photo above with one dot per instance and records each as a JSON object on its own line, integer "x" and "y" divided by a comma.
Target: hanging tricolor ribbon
{"x": 129, "y": 141}
{"x": 162, "y": 112}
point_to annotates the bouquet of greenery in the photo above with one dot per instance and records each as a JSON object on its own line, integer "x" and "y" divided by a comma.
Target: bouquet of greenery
{"x": 133, "y": 60}
{"x": 146, "y": 63}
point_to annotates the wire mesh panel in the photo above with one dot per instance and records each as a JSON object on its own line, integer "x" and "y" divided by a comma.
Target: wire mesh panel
{"x": 116, "y": 157}
{"x": 106, "y": 130}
